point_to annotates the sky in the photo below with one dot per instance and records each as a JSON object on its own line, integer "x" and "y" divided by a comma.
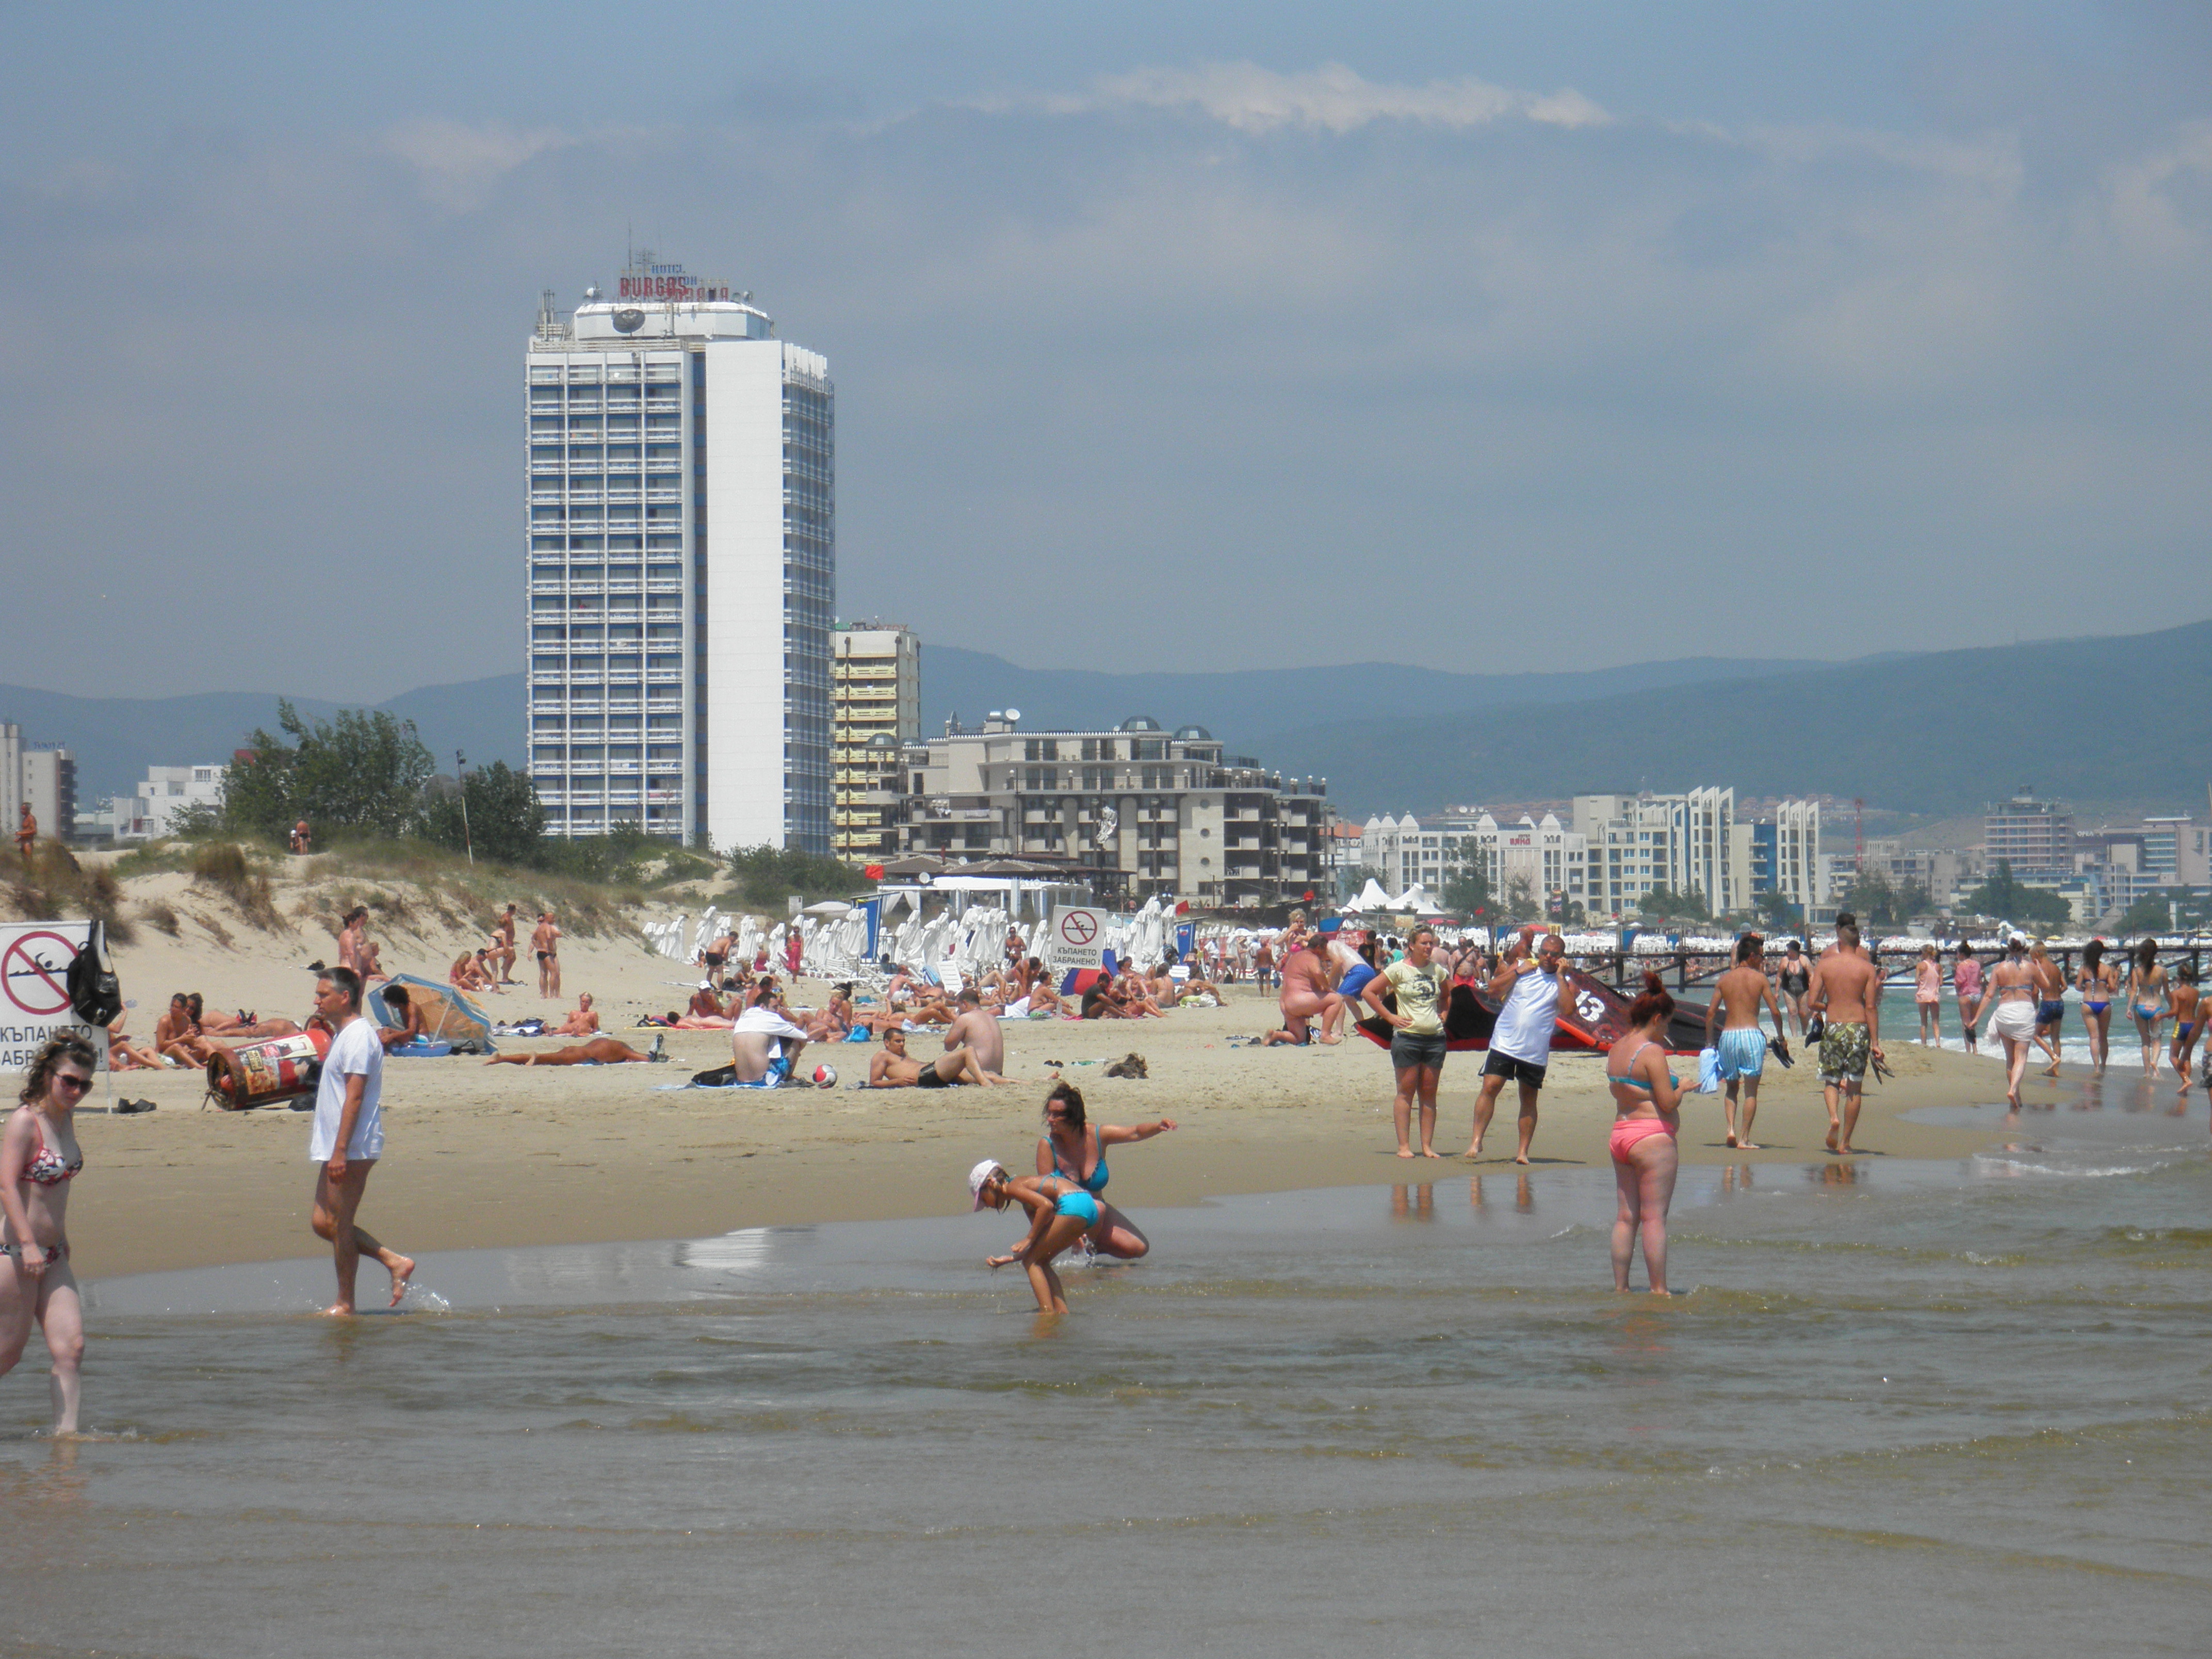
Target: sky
{"x": 1475, "y": 336}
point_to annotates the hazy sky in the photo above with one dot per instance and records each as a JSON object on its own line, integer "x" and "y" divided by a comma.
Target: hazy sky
{"x": 1474, "y": 335}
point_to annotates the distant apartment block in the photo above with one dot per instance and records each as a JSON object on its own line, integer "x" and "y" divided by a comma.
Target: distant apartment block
{"x": 875, "y": 712}
{"x": 1137, "y": 812}
{"x": 2035, "y": 837}
{"x": 44, "y": 776}
{"x": 1542, "y": 857}
{"x": 151, "y": 810}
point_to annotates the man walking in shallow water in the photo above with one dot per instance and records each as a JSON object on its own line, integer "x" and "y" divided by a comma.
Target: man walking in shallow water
{"x": 1847, "y": 995}
{"x": 349, "y": 1136}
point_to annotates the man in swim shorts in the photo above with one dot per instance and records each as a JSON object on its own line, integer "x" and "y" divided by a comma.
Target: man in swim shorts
{"x": 1847, "y": 995}
{"x": 892, "y": 1069}
{"x": 1738, "y": 995}
{"x": 545, "y": 941}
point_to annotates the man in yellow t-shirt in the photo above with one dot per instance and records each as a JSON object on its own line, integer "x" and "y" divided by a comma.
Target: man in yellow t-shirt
{"x": 1417, "y": 1046}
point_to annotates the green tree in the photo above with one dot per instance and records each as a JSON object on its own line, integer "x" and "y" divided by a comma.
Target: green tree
{"x": 504, "y": 823}
{"x": 2001, "y": 895}
{"x": 1774, "y": 905}
{"x": 1467, "y": 892}
{"x": 364, "y": 771}
{"x": 1662, "y": 904}
{"x": 765, "y": 876}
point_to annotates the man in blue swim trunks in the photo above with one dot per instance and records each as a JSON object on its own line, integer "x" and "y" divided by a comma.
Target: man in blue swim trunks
{"x": 1738, "y": 995}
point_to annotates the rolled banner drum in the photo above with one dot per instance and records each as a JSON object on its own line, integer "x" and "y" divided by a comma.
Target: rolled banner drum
{"x": 264, "y": 1072}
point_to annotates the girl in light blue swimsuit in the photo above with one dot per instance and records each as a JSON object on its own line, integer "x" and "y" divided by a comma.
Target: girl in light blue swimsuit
{"x": 1061, "y": 1211}
{"x": 1076, "y": 1151}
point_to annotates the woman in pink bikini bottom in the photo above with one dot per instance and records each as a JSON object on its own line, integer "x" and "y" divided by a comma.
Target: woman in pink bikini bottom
{"x": 1646, "y": 1096}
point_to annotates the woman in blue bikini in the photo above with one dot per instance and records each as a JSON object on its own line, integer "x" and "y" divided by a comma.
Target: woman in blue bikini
{"x": 1076, "y": 1151}
{"x": 2147, "y": 1001}
{"x": 1061, "y": 1212}
{"x": 2100, "y": 984}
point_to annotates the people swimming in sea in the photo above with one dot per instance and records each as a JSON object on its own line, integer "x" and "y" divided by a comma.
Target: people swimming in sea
{"x": 1646, "y": 1098}
{"x": 1075, "y": 1148}
{"x": 1061, "y": 1213}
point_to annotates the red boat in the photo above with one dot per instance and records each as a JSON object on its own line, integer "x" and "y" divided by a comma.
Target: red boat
{"x": 1599, "y": 1019}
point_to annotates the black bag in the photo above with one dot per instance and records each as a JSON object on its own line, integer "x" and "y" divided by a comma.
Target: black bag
{"x": 96, "y": 994}
{"x": 1816, "y": 1028}
{"x": 722, "y": 1077}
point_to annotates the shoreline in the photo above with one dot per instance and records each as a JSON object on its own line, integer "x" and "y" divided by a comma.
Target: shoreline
{"x": 492, "y": 1157}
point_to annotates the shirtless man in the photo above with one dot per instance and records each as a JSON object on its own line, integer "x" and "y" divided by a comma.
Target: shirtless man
{"x": 545, "y": 940}
{"x": 762, "y": 1036}
{"x": 600, "y": 1051}
{"x": 705, "y": 1011}
{"x": 1741, "y": 993}
{"x": 303, "y": 841}
{"x": 582, "y": 1023}
{"x": 502, "y": 950}
{"x": 408, "y": 1014}
{"x": 467, "y": 973}
{"x": 353, "y": 939}
{"x": 716, "y": 954}
{"x": 27, "y": 834}
{"x": 1308, "y": 992}
{"x": 891, "y": 1069}
{"x": 1846, "y": 992}
{"x": 976, "y": 1028}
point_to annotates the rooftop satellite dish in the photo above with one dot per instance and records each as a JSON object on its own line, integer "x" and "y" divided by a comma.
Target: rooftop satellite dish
{"x": 628, "y": 321}
{"x": 1013, "y": 714}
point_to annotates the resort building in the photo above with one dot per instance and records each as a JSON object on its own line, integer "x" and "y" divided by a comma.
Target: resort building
{"x": 875, "y": 712}
{"x": 682, "y": 566}
{"x": 44, "y": 775}
{"x": 2035, "y": 837}
{"x": 1136, "y": 812}
{"x": 1539, "y": 864}
{"x": 152, "y": 810}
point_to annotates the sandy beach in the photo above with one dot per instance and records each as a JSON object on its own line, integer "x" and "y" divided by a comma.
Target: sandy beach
{"x": 484, "y": 1156}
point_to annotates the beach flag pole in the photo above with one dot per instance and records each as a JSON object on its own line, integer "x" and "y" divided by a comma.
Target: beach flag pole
{"x": 461, "y": 777}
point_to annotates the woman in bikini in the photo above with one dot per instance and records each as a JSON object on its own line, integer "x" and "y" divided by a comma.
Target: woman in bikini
{"x": 1076, "y": 1149}
{"x": 2009, "y": 1008}
{"x": 2147, "y": 1001}
{"x": 2098, "y": 981}
{"x": 2188, "y": 1008}
{"x": 1967, "y": 985}
{"x": 38, "y": 1159}
{"x": 1927, "y": 995}
{"x": 1646, "y": 1097}
{"x": 1794, "y": 978}
{"x": 1061, "y": 1211}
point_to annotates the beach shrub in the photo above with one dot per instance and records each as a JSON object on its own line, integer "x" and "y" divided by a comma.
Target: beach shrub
{"x": 363, "y": 770}
{"x": 54, "y": 887}
{"x": 766, "y": 877}
{"x": 494, "y": 811}
{"x": 160, "y": 918}
{"x": 221, "y": 865}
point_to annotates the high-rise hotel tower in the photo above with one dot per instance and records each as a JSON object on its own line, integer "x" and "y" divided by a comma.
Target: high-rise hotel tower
{"x": 683, "y": 565}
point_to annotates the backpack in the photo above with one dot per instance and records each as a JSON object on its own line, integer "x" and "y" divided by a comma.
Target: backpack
{"x": 96, "y": 994}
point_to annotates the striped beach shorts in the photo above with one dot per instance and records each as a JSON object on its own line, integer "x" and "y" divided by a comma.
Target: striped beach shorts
{"x": 1743, "y": 1053}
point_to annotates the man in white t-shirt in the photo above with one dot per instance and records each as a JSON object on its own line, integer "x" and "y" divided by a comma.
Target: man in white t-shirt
{"x": 1534, "y": 992}
{"x": 349, "y": 1135}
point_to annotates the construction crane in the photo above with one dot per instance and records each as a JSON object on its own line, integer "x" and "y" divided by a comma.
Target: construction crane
{"x": 1858, "y": 833}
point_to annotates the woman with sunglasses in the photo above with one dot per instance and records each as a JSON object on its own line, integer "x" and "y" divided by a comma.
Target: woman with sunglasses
{"x": 38, "y": 1158}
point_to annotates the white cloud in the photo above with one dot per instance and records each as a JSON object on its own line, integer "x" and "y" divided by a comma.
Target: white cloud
{"x": 457, "y": 164}
{"x": 2141, "y": 192}
{"x": 1332, "y": 98}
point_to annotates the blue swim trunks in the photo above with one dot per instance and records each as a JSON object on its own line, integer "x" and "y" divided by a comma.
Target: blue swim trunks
{"x": 1743, "y": 1053}
{"x": 1080, "y": 1204}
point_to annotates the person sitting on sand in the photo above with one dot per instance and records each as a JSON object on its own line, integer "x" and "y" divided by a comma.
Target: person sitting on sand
{"x": 124, "y": 1055}
{"x": 177, "y": 1035}
{"x": 1061, "y": 1211}
{"x": 765, "y": 1043}
{"x": 705, "y": 1004}
{"x": 406, "y": 1012}
{"x": 600, "y": 1051}
{"x": 892, "y": 1069}
{"x": 1134, "y": 993}
{"x": 1043, "y": 999}
{"x": 463, "y": 974}
{"x": 1099, "y": 1001}
{"x": 582, "y": 1022}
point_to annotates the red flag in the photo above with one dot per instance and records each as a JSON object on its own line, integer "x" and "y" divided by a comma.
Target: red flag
{"x": 873, "y": 873}
{"x": 1309, "y": 896}
{"x": 1182, "y": 907}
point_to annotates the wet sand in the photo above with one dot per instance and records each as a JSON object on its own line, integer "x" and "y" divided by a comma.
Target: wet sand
{"x": 501, "y": 1156}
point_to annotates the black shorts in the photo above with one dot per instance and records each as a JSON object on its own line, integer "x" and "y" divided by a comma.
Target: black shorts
{"x": 930, "y": 1079}
{"x": 1408, "y": 1049}
{"x": 714, "y": 958}
{"x": 1512, "y": 1070}
{"x": 544, "y": 956}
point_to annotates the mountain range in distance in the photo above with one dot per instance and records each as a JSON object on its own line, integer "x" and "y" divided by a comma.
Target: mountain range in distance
{"x": 2120, "y": 721}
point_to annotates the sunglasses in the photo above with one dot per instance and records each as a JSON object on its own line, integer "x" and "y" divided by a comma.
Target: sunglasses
{"x": 71, "y": 1080}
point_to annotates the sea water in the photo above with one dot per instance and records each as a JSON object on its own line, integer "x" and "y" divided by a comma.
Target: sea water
{"x": 1903, "y": 1407}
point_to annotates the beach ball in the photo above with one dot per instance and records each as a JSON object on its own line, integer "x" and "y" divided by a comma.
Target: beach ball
{"x": 825, "y": 1077}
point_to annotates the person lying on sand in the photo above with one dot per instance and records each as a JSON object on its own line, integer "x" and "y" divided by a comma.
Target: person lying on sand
{"x": 600, "y": 1051}
{"x": 892, "y": 1069}
{"x": 242, "y": 1027}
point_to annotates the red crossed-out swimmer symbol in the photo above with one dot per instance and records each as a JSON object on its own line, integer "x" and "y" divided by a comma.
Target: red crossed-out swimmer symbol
{"x": 31, "y": 985}
{"x": 1078, "y": 929}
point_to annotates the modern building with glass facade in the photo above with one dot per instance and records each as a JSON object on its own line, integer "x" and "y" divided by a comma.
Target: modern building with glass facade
{"x": 682, "y": 566}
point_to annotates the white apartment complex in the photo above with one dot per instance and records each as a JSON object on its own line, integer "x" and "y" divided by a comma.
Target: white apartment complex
{"x": 150, "y": 811}
{"x": 875, "y": 711}
{"x": 1544, "y": 855}
{"x": 45, "y": 777}
{"x": 682, "y": 566}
